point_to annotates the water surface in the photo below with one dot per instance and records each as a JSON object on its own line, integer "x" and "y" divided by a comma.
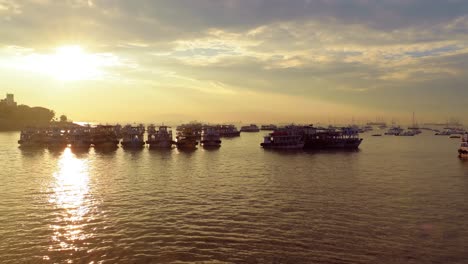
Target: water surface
{"x": 396, "y": 200}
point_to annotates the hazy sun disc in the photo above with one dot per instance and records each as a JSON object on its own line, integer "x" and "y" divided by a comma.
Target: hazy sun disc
{"x": 72, "y": 63}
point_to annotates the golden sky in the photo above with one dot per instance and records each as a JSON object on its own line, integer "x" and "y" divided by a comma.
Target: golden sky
{"x": 237, "y": 60}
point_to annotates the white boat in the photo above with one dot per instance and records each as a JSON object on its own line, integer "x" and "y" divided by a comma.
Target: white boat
{"x": 210, "y": 138}
{"x": 289, "y": 137}
{"x": 159, "y": 138}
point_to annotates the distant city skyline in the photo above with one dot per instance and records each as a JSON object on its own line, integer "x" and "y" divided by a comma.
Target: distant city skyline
{"x": 231, "y": 60}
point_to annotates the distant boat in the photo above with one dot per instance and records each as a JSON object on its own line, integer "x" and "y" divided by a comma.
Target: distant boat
{"x": 270, "y": 127}
{"x": 377, "y": 135}
{"x": 394, "y": 131}
{"x": 250, "y": 128}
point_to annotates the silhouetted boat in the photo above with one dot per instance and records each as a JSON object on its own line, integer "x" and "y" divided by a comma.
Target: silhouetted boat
{"x": 289, "y": 137}
{"x": 250, "y": 128}
{"x": 159, "y": 138}
{"x": 270, "y": 127}
{"x": 104, "y": 136}
{"x": 342, "y": 138}
{"x": 228, "y": 131}
{"x": 80, "y": 138}
{"x": 133, "y": 137}
{"x": 463, "y": 149}
{"x": 210, "y": 138}
{"x": 32, "y": 137}
{"x": 186, "y": 139}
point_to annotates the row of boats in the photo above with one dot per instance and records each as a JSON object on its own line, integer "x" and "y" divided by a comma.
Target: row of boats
{"x": 107, "y": 136}
{"x": 188, "y": 136}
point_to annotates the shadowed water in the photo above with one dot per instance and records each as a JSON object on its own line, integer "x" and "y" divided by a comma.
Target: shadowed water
{"x": 396, "y": 200}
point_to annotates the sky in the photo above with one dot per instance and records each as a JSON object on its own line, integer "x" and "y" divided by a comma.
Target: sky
{"x": 264, "y": 61}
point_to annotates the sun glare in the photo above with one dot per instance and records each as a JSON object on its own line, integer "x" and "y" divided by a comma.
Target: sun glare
{"x": 72, "y": 63}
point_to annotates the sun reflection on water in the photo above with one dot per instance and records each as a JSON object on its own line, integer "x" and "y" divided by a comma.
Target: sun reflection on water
{"x": 70, "y": 196}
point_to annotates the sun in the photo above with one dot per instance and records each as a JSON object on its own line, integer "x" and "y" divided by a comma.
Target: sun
{"x": 71, "y": 63}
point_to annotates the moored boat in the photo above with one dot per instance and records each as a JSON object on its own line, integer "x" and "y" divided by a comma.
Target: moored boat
{"x": 210, "y": 138}
{"x": 104, "y": 137}
{"x": 250, "y": 128}
{"x": 463, "y": 149}
{"x": 186, "y": 139}
{"x": 133, "y": 137}
{"x": 342, "y": 138}
{"x": 160, "y": 138}
{"x": 289, "y": 137}
{"x": 32, "y": 137}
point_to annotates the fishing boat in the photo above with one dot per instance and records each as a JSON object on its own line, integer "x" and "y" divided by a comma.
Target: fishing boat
{"x": 104, "y": 137}
{"x": 289, "y": 137}
{"x": 186, "y": 139}
{"x": 160, "y": 138}
{"x": 463, "y": 149}
{"x": 250, "y": 128}
{"x": 133, "y": 137}
{"x": 210, "y": 138}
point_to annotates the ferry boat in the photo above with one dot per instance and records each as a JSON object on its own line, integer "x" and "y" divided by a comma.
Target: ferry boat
{"x": 80, "y": 138}
{"x": 186, "y": 139}
{"x": 159, "y": 138}
{"x": 270, "y": 127}
{"x": 228, "y": 131}
{"x": 32, "y": 137}
{"x": 132, "y": 136}
{"x": 104, "y": 136}
{"x": 342, "y": 138}
{"x": 56, "y": 138}
{"x": 463, "y": 149}
{"x": 289, "y": 137}
{"x": 210, "y": 138}
{"x": 250, "y": 128}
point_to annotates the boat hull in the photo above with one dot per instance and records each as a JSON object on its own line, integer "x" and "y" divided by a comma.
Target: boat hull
{"x": 280, "y": 146}
{"x": 159, "y": 144}
{"x": 333, "y": 144}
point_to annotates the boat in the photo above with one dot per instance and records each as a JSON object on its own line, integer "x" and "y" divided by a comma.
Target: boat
{"x": 407, "y": 133}
{"x": 394, "y": 131}
{"x": 340, "y": 138}
{"x": 32, "y": 137}
{"x": 455, "y": 136}
{"x": 463, "y": 149}
{"x": 133, "y": 137}
{"x": 80, "y": 138}
{"x": 270, "y": 127}
{"x": 228, "y": 131}
{"x": 250, "y": 128}
{"x": 289, "y": 137}
{"x": 186, "y": 139}
{"x": 210, "y": 138}
{"x": 104, "y": 137}
{"x": 446, "y": 132}
{"x": 56, "y": 138}
{"x": 376, "y": 135}
{"x": 195, "y": 128}
{"x": 160, "y": 138}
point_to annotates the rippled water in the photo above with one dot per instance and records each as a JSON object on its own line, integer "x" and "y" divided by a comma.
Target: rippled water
{"x": 397, "y": 200}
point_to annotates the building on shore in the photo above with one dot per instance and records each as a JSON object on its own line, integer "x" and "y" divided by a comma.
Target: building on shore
{"x": 9, "y": 100}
